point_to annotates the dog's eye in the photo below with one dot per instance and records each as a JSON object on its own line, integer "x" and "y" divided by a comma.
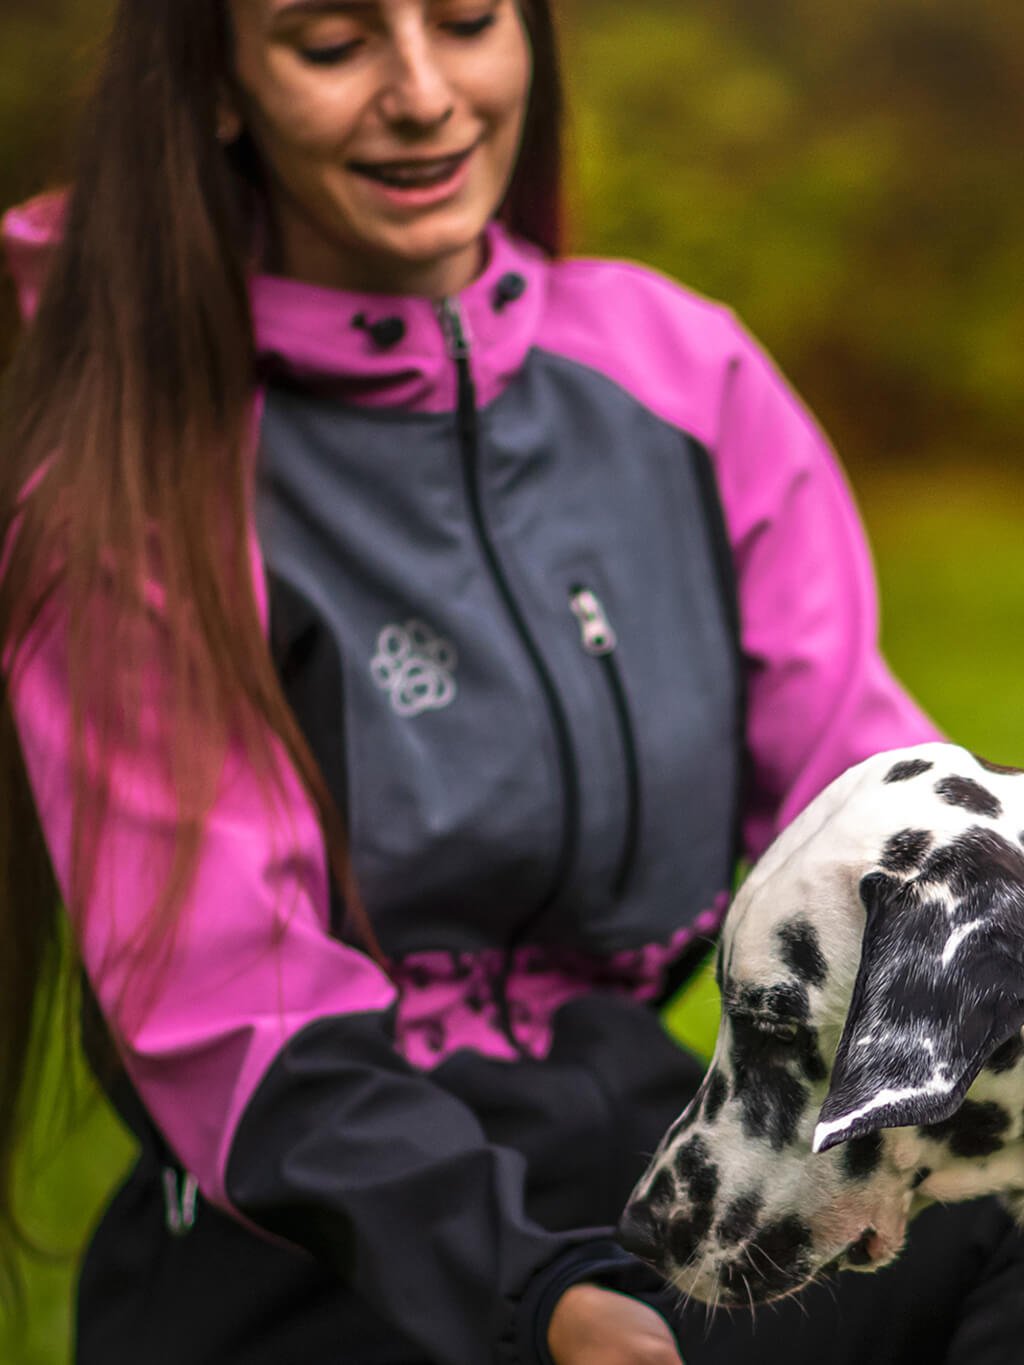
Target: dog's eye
{"x": 780, "y": 1029}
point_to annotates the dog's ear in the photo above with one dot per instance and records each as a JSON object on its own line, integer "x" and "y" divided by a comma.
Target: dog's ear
{"x": 940, "y": 987}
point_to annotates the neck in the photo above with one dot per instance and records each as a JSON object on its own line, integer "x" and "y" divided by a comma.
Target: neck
{"x": 304, "y": 254}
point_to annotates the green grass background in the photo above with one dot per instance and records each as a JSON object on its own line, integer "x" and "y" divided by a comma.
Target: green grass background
{"x": 948, "y": 547}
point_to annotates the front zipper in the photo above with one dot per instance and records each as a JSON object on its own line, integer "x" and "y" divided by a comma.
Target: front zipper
{"x": 599, "y": 640}
{"x": 459, "y": 350}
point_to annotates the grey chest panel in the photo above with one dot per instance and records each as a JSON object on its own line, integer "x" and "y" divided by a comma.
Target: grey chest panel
{"x": 476, "y": 815}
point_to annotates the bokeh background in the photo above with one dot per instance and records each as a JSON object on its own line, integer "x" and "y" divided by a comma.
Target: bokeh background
{"x": 849, "y": 178}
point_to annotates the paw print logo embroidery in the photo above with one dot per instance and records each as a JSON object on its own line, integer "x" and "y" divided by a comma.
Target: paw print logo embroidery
{"x": 416, "y": 667}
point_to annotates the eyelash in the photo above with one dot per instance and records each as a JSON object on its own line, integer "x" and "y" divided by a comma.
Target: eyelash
{"x": 782, "y": 1031}
{"x": 331, "y": 56}
{"x": 471, "y": 28}
{"x": 328, "y": 56}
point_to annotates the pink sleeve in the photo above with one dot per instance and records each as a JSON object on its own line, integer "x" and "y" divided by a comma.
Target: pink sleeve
{"x": 820, "y": 694}
{"x": 252, "y": 963}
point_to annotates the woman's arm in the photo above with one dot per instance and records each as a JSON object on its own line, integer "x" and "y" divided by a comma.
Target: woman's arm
{"x": 820, "y": 695}
{"x": 262, "y": 1049}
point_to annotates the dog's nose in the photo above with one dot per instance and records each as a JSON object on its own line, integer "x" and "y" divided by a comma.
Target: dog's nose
{"x": 638, "y": 1233}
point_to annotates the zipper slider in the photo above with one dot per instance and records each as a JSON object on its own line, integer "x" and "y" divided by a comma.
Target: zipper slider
{"x": 179, "y": 1202}
{"x": 595, "y": 628}
{"x": 453, "y": 325}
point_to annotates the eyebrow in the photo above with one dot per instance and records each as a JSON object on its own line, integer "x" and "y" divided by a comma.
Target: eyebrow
{"x": 294, "y": 8}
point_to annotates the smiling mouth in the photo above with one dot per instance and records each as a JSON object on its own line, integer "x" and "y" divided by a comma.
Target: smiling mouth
{"x": 413, "y": 175}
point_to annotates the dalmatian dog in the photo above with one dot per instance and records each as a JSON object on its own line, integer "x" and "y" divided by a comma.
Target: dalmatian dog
{"x": 870, "y": 1057}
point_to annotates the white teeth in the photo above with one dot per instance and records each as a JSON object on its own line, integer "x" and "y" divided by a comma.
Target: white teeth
{"x": 411, "y": 177}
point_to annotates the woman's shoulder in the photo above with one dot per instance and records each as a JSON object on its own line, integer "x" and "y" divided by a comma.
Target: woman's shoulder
{"x": 676, "y": 350}
{"x": 653, "y": 289}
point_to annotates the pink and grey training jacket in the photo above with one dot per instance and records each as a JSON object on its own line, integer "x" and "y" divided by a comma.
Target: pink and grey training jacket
{"x": 571, "y": 601}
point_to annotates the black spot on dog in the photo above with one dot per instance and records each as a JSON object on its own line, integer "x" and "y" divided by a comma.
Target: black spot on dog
{"x": 686, "y": 1233}
{"x": 862, "y": 1156}
{"x": 1006, "y": 1055}
{"x": 662, "y": 1193}
{"x": 812, "y": 1064}
{"x": 697, "y": 1171}
{"x": 976, "y": 1129}
{"x": 920, "y": 1176}
{"x": 991, "y": 767}
{"x": 772, "y": 1099}
{"x": 905, "y": 851}
{"x": 778, "y": 1255}
{"x": 739, "y": 1219}
{"x": 969, "y": 795}
{"x": 801, "y": 951}
{"x": 717, "y": 1094}
{"x": 699, "y": 1174}
{"x": 902, "y": 772}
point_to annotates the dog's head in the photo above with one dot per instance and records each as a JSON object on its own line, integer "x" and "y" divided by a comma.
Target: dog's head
{"x": 872, "y": 973}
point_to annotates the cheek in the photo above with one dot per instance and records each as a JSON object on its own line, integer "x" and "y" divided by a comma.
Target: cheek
{"x": 293, "y": 112}
{"x": 500, "y": 90}
{"x": 292, "y": 121}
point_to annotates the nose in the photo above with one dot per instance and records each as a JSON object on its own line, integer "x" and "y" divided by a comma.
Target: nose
{"x": 418, "y": 92}
{"x": 638, "y": 1232}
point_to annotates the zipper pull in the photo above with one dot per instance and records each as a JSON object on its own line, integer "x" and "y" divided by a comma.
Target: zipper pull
{"x": 453, "y": 325}
{"x": 179, "y": 1202}
{"x": 595, "y": 628}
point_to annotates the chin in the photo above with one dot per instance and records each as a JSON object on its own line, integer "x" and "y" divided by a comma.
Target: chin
{"x": 438, "y": 237}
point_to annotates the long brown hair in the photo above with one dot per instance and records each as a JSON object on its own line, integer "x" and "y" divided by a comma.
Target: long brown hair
{"x": 126, "y": 413}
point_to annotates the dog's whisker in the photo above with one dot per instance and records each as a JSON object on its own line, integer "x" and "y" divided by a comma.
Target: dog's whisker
{"x": 927, "y": 837}
{"x": 750, "y": 1296}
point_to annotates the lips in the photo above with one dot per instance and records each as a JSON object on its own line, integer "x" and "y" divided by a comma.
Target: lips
{"x": 414, "y": 174}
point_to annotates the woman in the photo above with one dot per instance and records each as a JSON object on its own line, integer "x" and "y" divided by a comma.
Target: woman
{"x": 562, "y": 591}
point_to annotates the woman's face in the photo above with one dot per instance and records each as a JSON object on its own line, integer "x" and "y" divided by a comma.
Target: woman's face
{"x": 389, "y": 130}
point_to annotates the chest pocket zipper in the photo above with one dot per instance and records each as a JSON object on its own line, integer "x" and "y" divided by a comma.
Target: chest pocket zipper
{"x": 599, "y": 640}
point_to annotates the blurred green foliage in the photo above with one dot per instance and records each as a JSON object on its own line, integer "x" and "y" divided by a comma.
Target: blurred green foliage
{"x": 847, "y": 176}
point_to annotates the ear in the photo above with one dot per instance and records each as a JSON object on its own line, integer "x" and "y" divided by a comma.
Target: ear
{"x": 229, "y": 118}
{"x": 939, "y": 988}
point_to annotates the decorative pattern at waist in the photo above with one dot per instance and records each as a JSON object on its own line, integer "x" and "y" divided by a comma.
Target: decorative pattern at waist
{"x": 449, "y": 1001}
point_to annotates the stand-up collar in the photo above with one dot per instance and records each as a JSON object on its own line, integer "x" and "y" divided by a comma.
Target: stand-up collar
{"x": 381, "y": 350}
{"x": 389, "y": 350}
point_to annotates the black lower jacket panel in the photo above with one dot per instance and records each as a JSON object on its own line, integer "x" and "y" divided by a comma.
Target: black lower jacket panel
{"x": 585, "y": 1119}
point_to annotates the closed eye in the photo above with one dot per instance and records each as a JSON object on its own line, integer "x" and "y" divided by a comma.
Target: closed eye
{"x": 781, "y": 1030}
{"x": 330, "y": 56}
{"x": 337, "y": 53}
{"x": 471, "y": 28}
{"x": 784, "y": 1031}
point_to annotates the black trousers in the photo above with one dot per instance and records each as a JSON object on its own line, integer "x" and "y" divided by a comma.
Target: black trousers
{"x": 224, "y": 1296}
